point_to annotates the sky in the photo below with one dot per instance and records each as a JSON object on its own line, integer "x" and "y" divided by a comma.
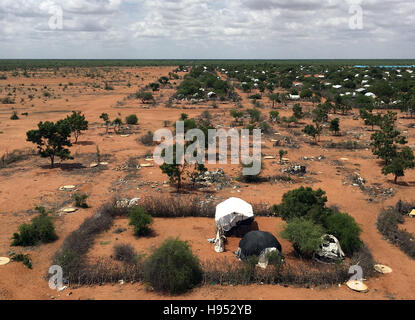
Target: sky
{"x": 207, "y": 29}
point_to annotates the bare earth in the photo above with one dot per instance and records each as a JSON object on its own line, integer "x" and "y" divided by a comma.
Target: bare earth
{"x": 31, "y": 182}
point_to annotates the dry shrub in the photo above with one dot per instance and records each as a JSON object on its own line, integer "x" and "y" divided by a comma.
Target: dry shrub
{"x": 15, "y": 156}
{"x": 388, "y": 225}
{"x": 71, "y": 254}
{"x": 174, "y": 207}
{"x": 224, "y": 272}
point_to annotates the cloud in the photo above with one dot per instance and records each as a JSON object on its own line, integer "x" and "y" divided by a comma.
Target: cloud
{"x": 208, "y": 28}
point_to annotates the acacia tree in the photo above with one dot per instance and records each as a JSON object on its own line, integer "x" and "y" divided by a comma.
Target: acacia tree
{"x": 408, "y": 104}
{"x": 117, "y": 124}
{"x": 178, "y": 171}
{"x": 274, "y": 97}
{"x": 312, "y": 131}
{"x": 145, "y": 96}
{"x": 298, "y": 111}
{"x": 385, "y": 141}
{"x": 403, "y": 160}
{"x": 335, "y": 125}
{"x": 370, "y": 118}
{"x": 104, "y": 116}
{"x": 51, "y": 139}
{"x": 77, "y": 123}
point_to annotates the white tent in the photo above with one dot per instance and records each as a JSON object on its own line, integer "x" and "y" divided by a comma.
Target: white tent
{"x": 231, "y": 211}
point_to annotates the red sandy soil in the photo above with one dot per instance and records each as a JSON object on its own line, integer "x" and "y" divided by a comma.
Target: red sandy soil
{"x": 31, "y": 182}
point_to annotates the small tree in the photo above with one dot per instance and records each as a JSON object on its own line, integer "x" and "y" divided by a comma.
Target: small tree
{"x": 311, "y": 131}
{"x": 274, "y": 116}
{"x": 335, "y": 125}
{"x": 254, "y": 114}
{"x": 51, "y": 139}
{"x": 302, "y": 202}
{"x": 237, "y": 115}
{"x": 104, "y": 116}
{"x": 298, "y": 111}
{"x": 403, "y": 160}
{"x": 306, "y": 94}
{"x": 141, "y": 220}
{"x": 117, "y": 123}
{"x": 163, "y": 80}
{"x": 131, "y": 119}
{"x": 370, "y": 118}
{"x": 145, "y": 96}
{"x": 274, "y": 97}
{"x": 77, "y": 123}
{"x": 80, "y": 200}
{"x": 385, "y": 142}
{"x": 14, "y": 116}
{"x": 178, "y": 171}
{"x": 155, "y": 86}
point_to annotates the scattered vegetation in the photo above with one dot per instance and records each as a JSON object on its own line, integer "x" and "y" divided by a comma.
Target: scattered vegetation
{"x": 40, "y": 230}
{"x": 24, "y": 258}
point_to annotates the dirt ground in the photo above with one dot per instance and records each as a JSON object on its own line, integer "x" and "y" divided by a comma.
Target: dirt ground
{"x": 31, "y": 182}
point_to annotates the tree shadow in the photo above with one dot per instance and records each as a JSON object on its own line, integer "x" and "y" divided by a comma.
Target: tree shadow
{"x": 65, "y": 166}
{"x": 84, "y": 143}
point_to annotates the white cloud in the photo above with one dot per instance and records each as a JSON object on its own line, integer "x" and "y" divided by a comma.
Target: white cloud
{"x": 208, "y": 28}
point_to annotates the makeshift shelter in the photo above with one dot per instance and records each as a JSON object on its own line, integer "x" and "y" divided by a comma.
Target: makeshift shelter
{"x": 329, "y": 250}
{"x": 232, "y": 213}
{"x": 230, "y": 216}
{"x": 255, "y": 243}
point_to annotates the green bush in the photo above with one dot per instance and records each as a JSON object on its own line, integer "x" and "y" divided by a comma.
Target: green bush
{"x": 80, "y": 200}
{"x": 14, "y": 116}
{"x": 303, "y": 202}
{"x": 24, "y": 258}
{"x": 346, "y": 230}
{"x": 140, "y": 219}
{"x": 173, "y": 268}
{"x": 131, "y": 119}
{"x": 304, "y": 234}
{"x": 40, "y": 230}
